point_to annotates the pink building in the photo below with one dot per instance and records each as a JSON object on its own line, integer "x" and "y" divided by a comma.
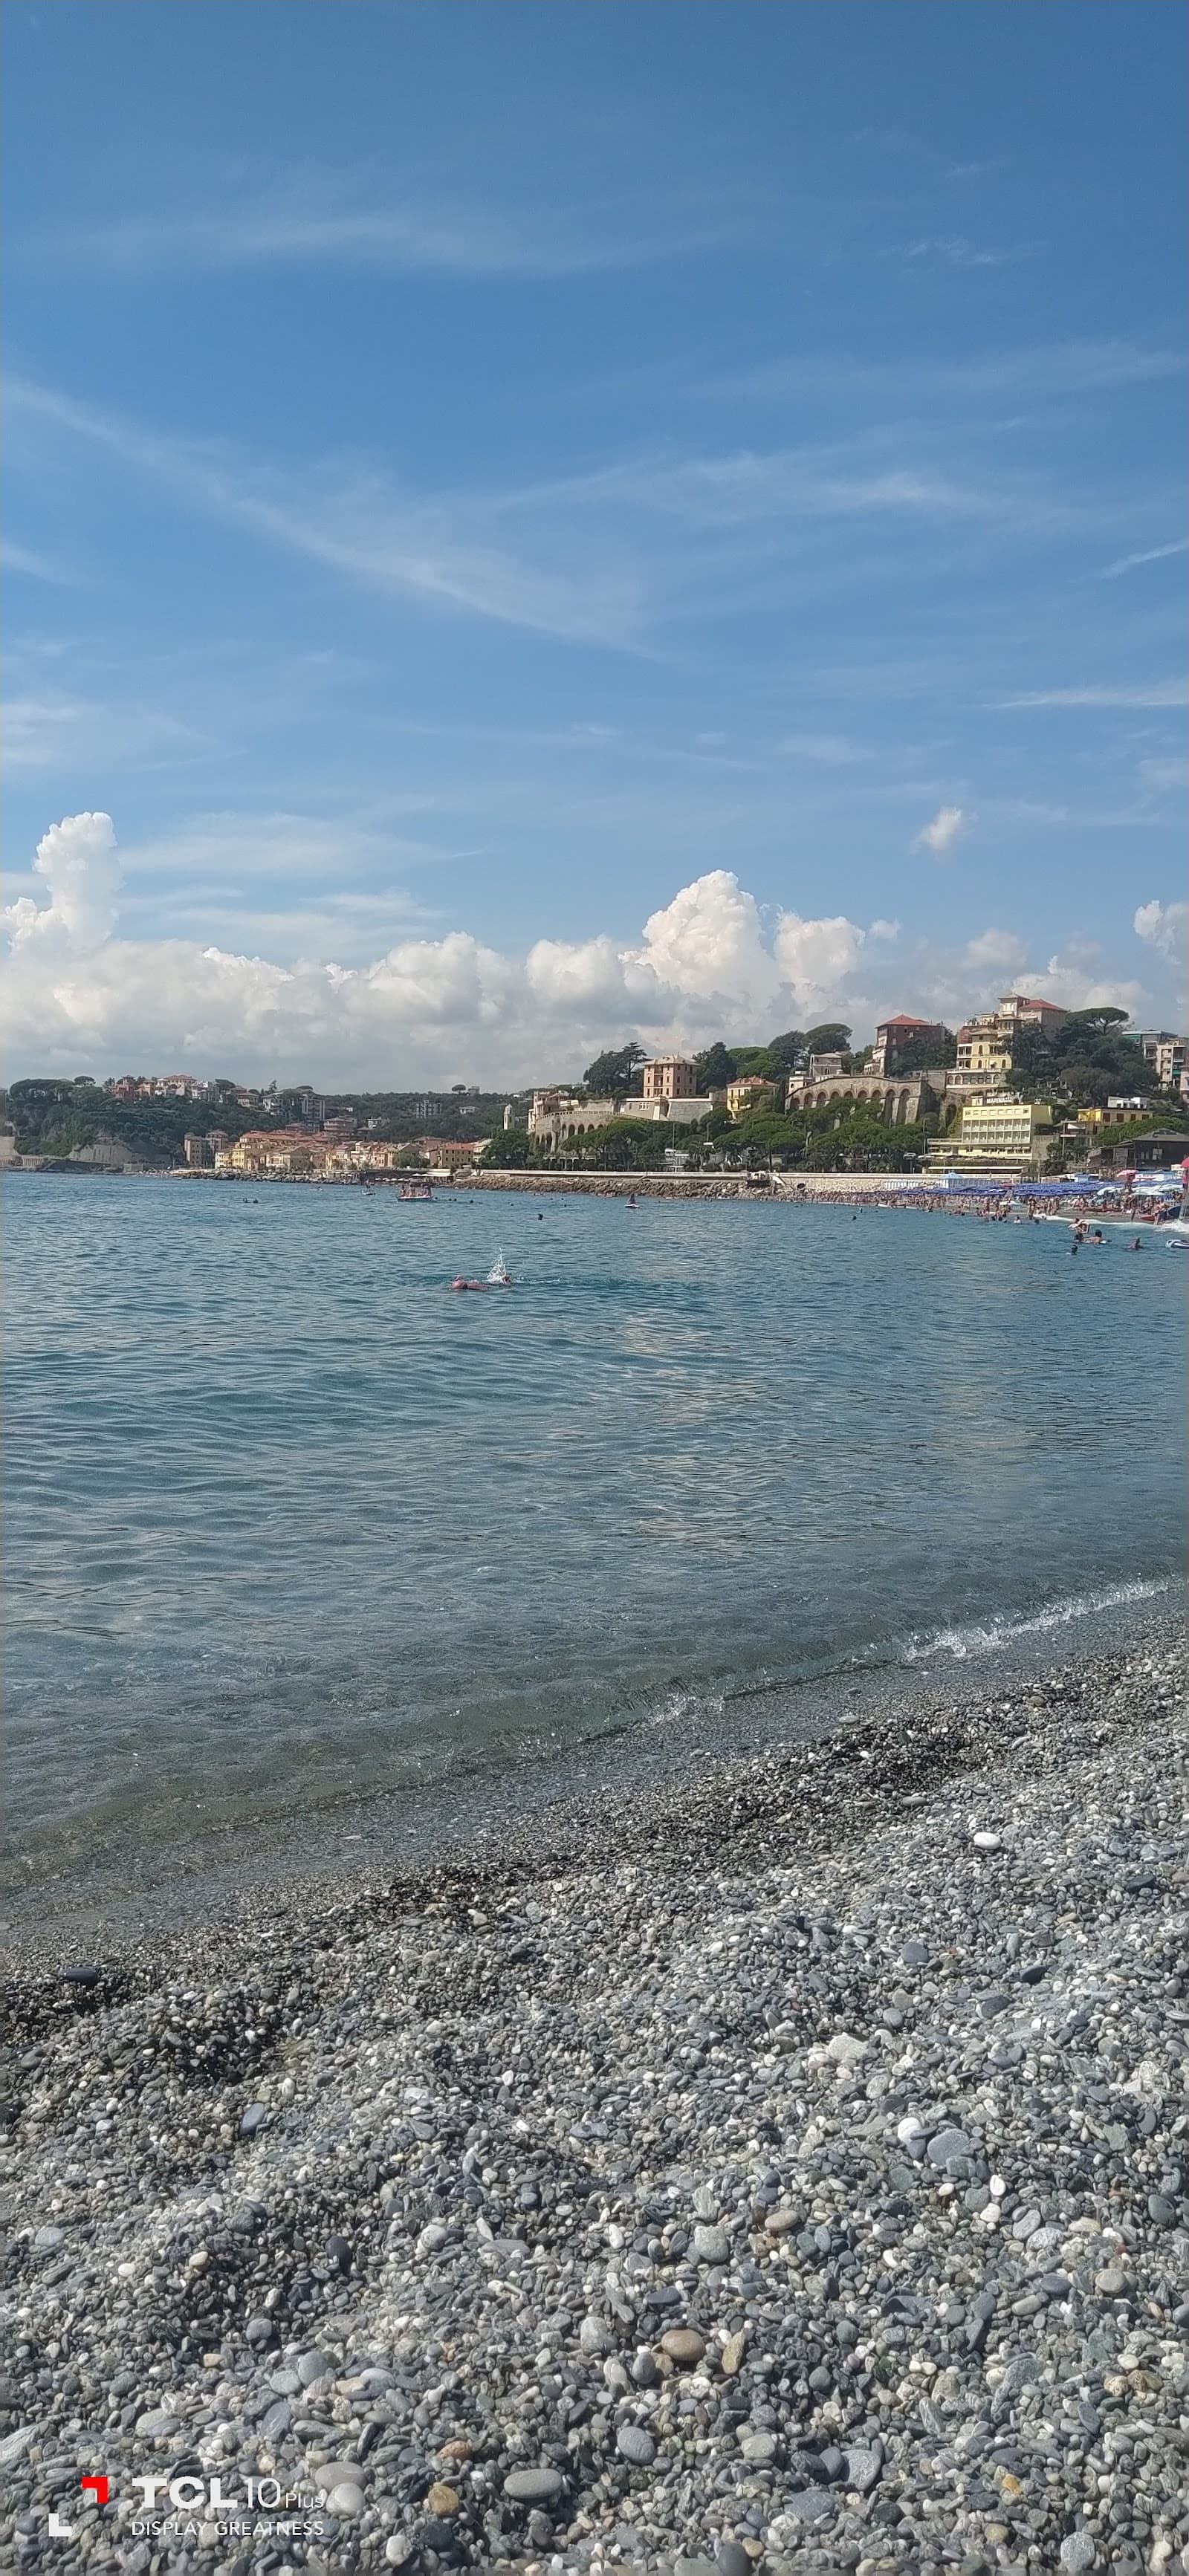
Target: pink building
{"x": 668, "y": 1077}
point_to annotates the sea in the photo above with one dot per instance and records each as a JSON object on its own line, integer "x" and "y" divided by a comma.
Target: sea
{"x": 310, "y": 1557}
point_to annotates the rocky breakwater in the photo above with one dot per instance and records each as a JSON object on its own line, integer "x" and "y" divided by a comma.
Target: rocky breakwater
{"x": 816, "y": 2204}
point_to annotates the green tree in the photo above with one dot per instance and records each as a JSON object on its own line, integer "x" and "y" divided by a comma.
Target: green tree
{"x": 511, "y": 1149}
{"x": 1102, "y": 1018}
{"x": 785, "y": 1050}
{"x": 830, "y": 1037}
{"x": 714, "y": 1068}
{"x": 622, "y": 1145}
{"x": 765, "y": 1138}
{"x": 612, "y": 1074}
{"x": 758, "y": 1060}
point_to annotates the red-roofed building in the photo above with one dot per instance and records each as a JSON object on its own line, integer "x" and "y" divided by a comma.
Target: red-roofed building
{"x": 985, "y": 1045}
{"x": 895, "y": 1037}
{"x": 1021, "y": 1011}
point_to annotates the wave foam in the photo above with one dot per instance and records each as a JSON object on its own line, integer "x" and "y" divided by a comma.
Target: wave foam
{"x": 991, "y": 1638}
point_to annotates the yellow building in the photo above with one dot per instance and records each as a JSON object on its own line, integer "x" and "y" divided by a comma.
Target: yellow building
{"x": 750, "y": 1092}
{"x": 983, "y": 1047}
{"x": 1000, "y": 1133}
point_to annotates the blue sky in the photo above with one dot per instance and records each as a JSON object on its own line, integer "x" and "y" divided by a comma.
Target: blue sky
{"x": 482, "y": 478}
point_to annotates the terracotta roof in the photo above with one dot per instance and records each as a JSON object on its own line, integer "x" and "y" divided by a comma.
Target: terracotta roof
{"x": 904, "y": 1020}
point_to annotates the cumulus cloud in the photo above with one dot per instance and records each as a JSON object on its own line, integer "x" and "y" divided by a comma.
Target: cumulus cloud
{"x": 998, "y": 950}
{"x": 817, "y": 961}
{"x": 709, "y": 963}
{"x": 938, "y": 837}
{"x": 1165, "y": 926}
{"x": 77, "y": 861}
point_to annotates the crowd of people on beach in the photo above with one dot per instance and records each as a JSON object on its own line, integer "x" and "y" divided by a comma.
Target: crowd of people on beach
{"x": 1002, "y": 1207}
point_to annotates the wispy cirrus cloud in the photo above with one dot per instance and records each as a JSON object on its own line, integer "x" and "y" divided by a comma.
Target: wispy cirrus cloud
{"x": 953, "y": 250}
{"x": 1151, "y": 693}
{"x": 33, "y": 565}
{"x": 1037, "y": 371}
{"x": 1147, "y": 555}
{"x": 591, "y": 558}
{"x": 354, "y": 523}
{"x": 320, "y": 220}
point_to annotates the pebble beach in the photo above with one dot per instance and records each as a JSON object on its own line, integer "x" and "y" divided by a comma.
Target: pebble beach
{"x": 782, "y": 2168}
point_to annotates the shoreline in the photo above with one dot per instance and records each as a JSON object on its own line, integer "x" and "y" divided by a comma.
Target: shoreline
{"x": 892, "y": 1188}
{"x": 151, "y": 1869}
{"x": 603, "y": 1800}
{"x": 795, "y": 2171}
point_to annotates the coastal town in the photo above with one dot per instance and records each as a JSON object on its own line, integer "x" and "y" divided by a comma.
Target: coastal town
{"x": 1028, "y": 1090}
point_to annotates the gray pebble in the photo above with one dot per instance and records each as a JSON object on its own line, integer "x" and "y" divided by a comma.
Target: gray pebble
{"x": 809, "y": 2505}
{"x": 156, "y": 2424}
{"x": 731, "y": 2168}
{"x": 731, "y": 2559}
{"x": 533, "y": 2486}
{"x": 948, "y": 2144}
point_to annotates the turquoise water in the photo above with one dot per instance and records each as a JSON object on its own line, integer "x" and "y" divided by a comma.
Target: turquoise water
{"x": 289, "y": 1524}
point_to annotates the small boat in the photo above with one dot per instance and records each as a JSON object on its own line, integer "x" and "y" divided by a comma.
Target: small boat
{"x": 410, "y": 1190}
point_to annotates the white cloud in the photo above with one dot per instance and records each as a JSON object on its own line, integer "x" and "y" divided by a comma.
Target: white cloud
{"x": 948, "y": 826}
{"x": 1165, "y": 926}
{"x": 77, "y": 997}
{"x": 1157, "y": 693}
{"x": 27, "y": 560}
{"x": 77, "y": 860}
{"x": 1073, "y": 976}
{"x": 320, "y": 219}
{"x": 1150, "y": 554}
{"x": 953, "y": 250}
{"x": 817, "y": 961}
{"x": 997, "y": 950}
{"x": 446, "y": 550}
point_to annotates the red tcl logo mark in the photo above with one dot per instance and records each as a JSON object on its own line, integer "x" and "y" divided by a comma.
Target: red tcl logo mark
{"x": 98, "y": 2487}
